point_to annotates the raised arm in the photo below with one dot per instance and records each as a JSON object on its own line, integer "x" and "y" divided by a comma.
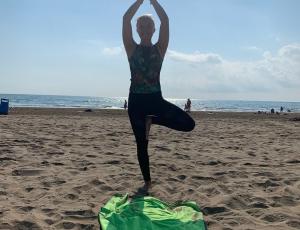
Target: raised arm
{"x": 163, "y": 40}
{"x": 128, "y": 41}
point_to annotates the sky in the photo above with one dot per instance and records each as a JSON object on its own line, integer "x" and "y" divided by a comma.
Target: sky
{"x": 218, "y": 49}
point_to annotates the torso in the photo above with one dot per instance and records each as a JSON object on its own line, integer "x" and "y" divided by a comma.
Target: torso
{"x": 145, "y": 66}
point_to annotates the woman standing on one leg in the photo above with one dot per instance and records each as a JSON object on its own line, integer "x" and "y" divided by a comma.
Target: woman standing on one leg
{"x": 146, "y": 105}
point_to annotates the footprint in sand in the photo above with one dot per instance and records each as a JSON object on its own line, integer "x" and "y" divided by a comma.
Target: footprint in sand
{"x": 26, "y": 208}
{"x": 214, "y": 210}
{"x": 106, "y": 188}
{"x": 49, "y": 221}
{"x": 294, "y": 161}
{"x": 291, "y": 181}
{"x": 279, "y": 201}
{"x": 65, "y": 225}
{"x": 81, "y": 188}
{"x": 91, "y": 156}
{"x": 71, "y": 225}
{"x": 173, "y": 168}
{"x": 170, "y": 179}
{"x": 294, "y": 224}
{"x": 266, "y": 174}
{"x": 58, "y": 163}
{"x": 3, "y": 193}
{"x": 44, "y": 163}
{"x": 81, "y": 214}
{"x": 213, "y": 162}
{"x": 53, "y": 182}
{"x": 54, "y": 153}
{"x": 163, "y": 148}
{"x": 26, "y": 225}
{"x": 47, "y": 210}
{"x": 2, "y": 159}
{"x": 237, "y": 203}
{"x": 71, "y": 196}
{"x": 97, "y": 182}
{"x": 182, "y": 156}
{"x": 212, "y": 191}
{"x": 29, "y": 189}
{"x": 267, "y": 184}
{"x": 275, "y": 217}
{"x": 26, "y": 172}
{"x": 86, "y": 226}
{"x": 181, "y": 177}
{"x": 258, "y": 205}
{"x": 257, "y": 213}
{"x": 113, "y": 134}
{"x": 5, "y": 226}
{"x": 21, "y": 141}
{"x": 220, "y": 173}
{"x": 113, "y": 162}
{"x": 203, "y": 178}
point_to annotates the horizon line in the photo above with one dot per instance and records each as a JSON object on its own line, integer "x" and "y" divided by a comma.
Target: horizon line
{"x": 171, "y": 98}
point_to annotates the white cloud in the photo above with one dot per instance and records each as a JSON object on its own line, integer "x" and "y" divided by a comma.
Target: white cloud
{"x": 101, "y": 47}
{"x": 213, "y": 73}
{"x": 112, "y": 51}
{"x": 291, "y": 52}
{"x": 196, "y": 57}
{"x": 199, "y": 73}
{"x": 252, "y": 48}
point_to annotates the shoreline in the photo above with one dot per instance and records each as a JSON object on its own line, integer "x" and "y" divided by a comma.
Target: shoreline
{"x": 18, "y": 110}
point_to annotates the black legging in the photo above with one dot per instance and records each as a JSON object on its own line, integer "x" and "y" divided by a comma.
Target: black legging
{"x": 164, "y": 113}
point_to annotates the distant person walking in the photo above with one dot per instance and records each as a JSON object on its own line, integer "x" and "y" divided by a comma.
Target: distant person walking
{"x": 188, "y": 105}
{"x": 281, "y": 109}
{"x": 146, "y": 104}
{"x": 125, "y": 104}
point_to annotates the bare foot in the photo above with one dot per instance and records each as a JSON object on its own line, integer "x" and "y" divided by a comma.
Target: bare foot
{"x": 148, "y": 184}
{"x": 144, "y": 190}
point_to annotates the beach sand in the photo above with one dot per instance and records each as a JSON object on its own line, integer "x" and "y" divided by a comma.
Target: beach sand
{"x": 59, "y": 166}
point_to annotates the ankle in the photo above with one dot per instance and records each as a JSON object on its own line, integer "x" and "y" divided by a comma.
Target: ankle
{"x": 148, "y": 184}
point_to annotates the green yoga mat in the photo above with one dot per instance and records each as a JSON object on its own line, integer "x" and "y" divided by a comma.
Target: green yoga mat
{"x": 149, "y": 213}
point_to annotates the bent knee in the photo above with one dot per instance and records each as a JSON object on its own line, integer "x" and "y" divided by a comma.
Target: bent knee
{"x": 190, "y": 125}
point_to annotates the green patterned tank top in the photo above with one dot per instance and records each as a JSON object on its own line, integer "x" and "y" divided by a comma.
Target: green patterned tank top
{"x": 145, "y": 65}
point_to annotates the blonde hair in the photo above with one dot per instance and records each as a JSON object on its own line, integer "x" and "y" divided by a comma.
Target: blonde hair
{"x": 145, "y": 17}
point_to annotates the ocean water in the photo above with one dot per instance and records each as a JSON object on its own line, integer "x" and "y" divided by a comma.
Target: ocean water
{"x": 51, "y": 101}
